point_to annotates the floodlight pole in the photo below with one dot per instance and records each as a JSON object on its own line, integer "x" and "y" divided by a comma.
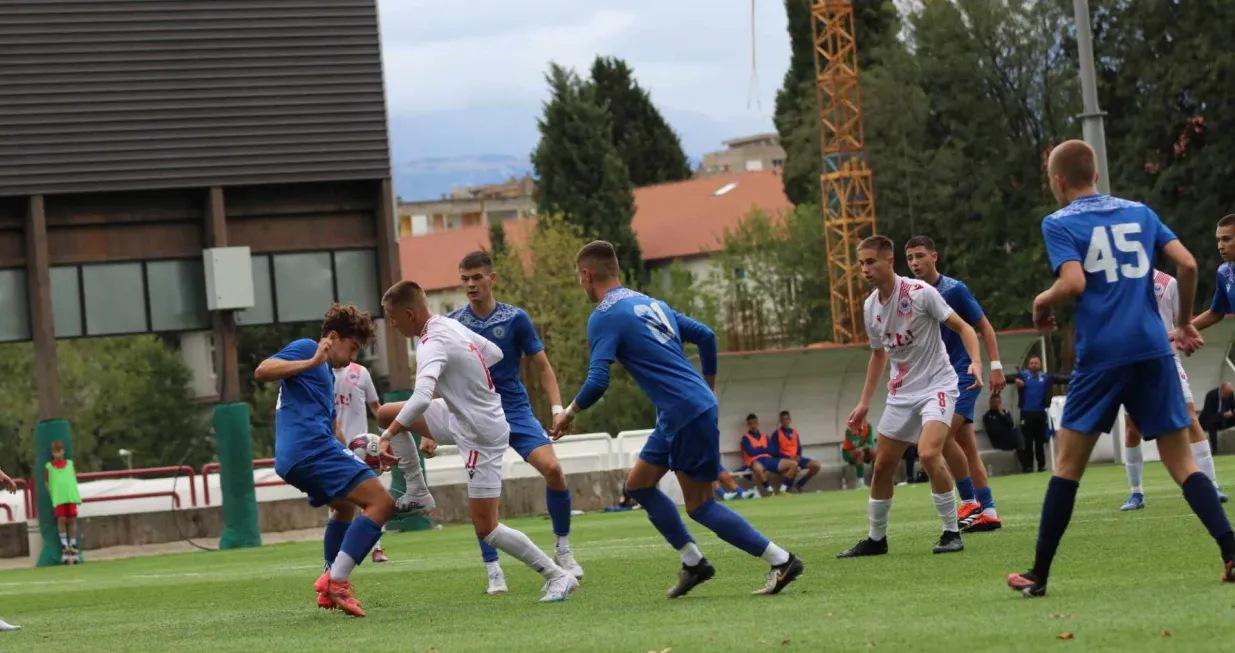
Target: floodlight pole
{"x": 1091, "y": 120}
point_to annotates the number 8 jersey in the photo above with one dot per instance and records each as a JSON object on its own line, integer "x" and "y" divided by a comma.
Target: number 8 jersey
{"x": 1116, "y": 241}
{"x": 907, "y": 327}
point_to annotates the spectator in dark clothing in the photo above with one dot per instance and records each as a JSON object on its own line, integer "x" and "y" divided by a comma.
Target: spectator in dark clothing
{"x": 1000, "y": 428}
{"x": 1034, "y": 386}
{"x": 1218, "y": 414}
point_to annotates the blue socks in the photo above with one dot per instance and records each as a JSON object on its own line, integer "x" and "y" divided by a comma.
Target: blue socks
{"x": 801, "y": 481}
{"x": 487, "y": 552}
{"x": 360, "y": 538}
{"x": 985, "y": 497}
{"x": 1201, "y": 495}
{"x": 335, "y": 530}
{"x": 558, "y": 502}
{"x": 1056, "y": 513}
{"x": 964, "y": 487}
{"x": 663, "y": 514}
{"x": 730, "y": 527}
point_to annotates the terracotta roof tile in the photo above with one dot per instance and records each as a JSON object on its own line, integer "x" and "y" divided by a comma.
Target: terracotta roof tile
{"x": 673, "y": 220}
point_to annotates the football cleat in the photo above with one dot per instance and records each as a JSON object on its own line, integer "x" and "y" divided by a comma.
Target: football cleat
{"x": 779, "y": 577}
{"x": 984, "y": 523}
{"x": 565, "y": 559}
{"x": 497, "y": 583}
{"x": 339, "y": 592}
{"x": 967, "y": 513}
{"x": 415, "y": 505}
{"x": 691, "y": 577}
{"x": 866, "y": 547}
{"x": 1027, "y": 584}
{"x": 380, "y": 556}
{"x": 1134, "y": 502}
{"x": 1228, "y": 571}
{"x": 949, "y": 542}
{"x": 1222, "y": 498}
{"x": 560, "y": 588}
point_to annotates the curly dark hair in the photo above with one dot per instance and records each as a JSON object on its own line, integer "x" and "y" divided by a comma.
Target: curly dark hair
{"x": 349, "y": 322}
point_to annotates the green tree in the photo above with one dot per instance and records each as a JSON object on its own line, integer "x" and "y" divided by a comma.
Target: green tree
{"x": 646, "y": 143}
{"x": 497, "y": 238}
{"x": 772, "y": 278}
{"x": 580, "y": 175}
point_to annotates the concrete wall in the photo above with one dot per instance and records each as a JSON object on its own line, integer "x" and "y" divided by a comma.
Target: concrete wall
{"x": 14, "y": 540}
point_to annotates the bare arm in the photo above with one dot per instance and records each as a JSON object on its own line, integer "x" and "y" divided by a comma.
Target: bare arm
{"x": 874, "y": 369}
{"x": 988, "y": 338}
{"x": 548, "y": 379}
{"x": 969, "y": 337}
{"x": 1206, "y": 320}
{"x": 1069, "y": 285}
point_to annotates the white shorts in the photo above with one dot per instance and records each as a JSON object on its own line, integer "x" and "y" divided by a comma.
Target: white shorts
{"x": 1183, "y": 379}
{"x": 903, "y": 420}
{"x": 483, "y": 461}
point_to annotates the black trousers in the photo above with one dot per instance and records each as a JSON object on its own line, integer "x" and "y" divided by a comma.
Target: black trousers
{"x": 1033, "y": 426}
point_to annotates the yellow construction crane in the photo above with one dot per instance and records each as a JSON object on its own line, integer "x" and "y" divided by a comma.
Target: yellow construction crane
{"x": 847, "y": 191}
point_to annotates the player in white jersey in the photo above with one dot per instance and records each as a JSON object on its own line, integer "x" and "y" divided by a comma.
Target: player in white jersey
{"x": 902, "y": 320}
{"x": 453, "y": 362}
{"x": 354, "y": 392}
{"x": 1166, "y": 291}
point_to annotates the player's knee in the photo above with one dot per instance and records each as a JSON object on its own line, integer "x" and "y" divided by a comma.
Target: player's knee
{"x": 554, "y": 476}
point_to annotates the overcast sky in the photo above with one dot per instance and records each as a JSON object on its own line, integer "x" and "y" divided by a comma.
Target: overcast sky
{"x": 467, "y": 77}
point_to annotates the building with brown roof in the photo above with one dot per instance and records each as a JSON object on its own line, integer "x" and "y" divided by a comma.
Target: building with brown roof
{"x": 681, "y": 221}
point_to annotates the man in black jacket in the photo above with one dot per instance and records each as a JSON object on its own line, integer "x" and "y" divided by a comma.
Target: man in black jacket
{"x": 1218, "y": 414}
{"x": 1034, "y": 387}
{"x": 1000, "y": 428}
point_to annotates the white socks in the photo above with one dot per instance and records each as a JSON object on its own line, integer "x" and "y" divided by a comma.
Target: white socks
{"x": 521, "y": 547}
{"x": 494, "y": 567}
{"x": 1135, "y": 466}
{"x": 690, "y": 554}
{"x": 1205, "y": 459}
{"x": 877, "y": 512}
{"x": 403, "y": 446}
{"x": 342, "y": 567}
{"x": 563, "y": 542}
{"x": 774, "y": 555}
{"x": 945, "y": 505}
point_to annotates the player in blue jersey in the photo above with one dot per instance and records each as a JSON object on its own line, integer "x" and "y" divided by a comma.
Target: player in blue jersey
{"x": 510, "y": 328}
{"x": 310, "y": 456}
{"x": 977, "y": 511}
{"x": 646, "y": 336}
{"x": 1102, "y": 251}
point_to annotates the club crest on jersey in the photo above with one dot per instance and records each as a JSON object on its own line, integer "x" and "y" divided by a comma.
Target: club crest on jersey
{"x": 1158, "y": 289}
{"x": 904, "y": 305}
{"x": 499, "y": 331}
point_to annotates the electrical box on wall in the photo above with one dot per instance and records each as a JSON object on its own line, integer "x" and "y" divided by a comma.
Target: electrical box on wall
{"x": 229, "y": 278}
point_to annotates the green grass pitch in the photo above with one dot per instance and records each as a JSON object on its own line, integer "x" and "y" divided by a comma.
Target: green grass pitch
{"x": 1144, "y": 581}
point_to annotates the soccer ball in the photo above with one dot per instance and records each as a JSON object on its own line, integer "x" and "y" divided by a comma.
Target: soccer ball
{"x": 365, "y": 447}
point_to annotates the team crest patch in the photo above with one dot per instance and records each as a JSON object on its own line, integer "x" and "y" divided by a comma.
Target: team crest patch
{"x": 499, "y": 331}
{"x": 904, "y": 307}
{"x": 1158, "y": 289}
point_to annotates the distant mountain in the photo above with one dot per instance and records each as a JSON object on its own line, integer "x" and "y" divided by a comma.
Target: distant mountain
{"x": 436, "y": 151}
{"x": 428, "y": 179}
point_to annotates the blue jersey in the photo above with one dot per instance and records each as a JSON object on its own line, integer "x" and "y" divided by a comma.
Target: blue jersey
{"x": 510, "y": 329}
{"x": 304, "y": 414}
{"x": 1116, "y": 241}
{"x": 646, "y": 336}
{"x": 1224, "y": 291}
{"x": 958, "y": 296}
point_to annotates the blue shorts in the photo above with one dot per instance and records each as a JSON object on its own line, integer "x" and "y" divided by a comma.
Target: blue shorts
{"x": 770, "y": 463}
{"x": 803, "y": 461}
{"x": 967, "y": 399}
{"x": 328, "y": 477}
{"x": 526, "y": 433}
{"x": 1149, "y": 390}
{"x": 694, "y": 449}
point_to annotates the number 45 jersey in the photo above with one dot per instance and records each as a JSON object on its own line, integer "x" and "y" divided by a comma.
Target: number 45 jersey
{"x": 1116, "y": 241}
{"x": 907, "y": 327}
{"x": 645, "y": 336}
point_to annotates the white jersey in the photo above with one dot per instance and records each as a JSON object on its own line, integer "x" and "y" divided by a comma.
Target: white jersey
{"x": 454, "y": 362}
{"x": 907, "y": 326}
{"x": 1166, "y": 291}
{"x": 353, "y": 392}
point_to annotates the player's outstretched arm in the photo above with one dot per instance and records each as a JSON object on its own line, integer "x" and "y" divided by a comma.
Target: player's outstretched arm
{"x": 987, "y": 331}
{"x": 430, "y": 361}
{"x": 1206, "y": 320}
{"x": 292, "y": 361}
{"x": 548, "y": 379}
{"x": 702, "y": 336}
{"x": 602, "y": 335}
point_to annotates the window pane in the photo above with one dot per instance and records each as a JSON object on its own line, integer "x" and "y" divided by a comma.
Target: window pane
{"x": 115, "y": 299}
{"x": 14, "y": 306}
{"x": 356, "y": 271}
{"x": 66, "y": 302}
{"x": 263, "y": 305}
{"x": 177, "y": 295}
{"x": 303, "y": 286}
